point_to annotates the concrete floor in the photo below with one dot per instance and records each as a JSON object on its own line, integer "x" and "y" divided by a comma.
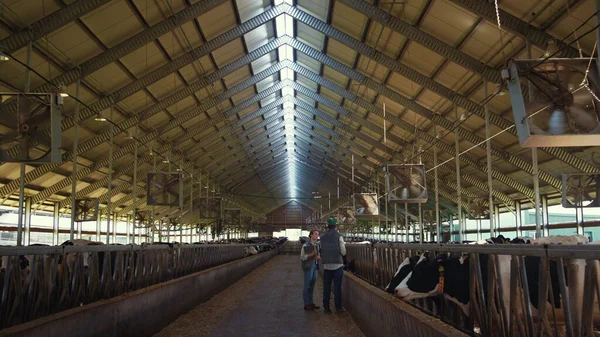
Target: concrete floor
{"x": 267, "y": 302}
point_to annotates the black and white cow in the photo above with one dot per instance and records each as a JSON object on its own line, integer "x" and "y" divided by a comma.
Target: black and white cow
{"x": 404, "y": 269}
{"x": 438, "y": 275}
{"x": 451, "y": 278}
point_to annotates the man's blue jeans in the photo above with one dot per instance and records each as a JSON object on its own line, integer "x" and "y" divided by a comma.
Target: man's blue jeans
{"x": 310, "y": 277}
{"x": 336, "y": 277}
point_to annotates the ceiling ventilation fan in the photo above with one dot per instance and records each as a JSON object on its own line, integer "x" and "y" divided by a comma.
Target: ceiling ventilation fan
{"x": 429, "y": 220}
{"x": 406, "y": 183}
{"x": 232, "y": 217}
{"x": 580, "y": 190}
{"x": 478, "y": 209}
{"x": 553, "y": 102}
{"x": 142, "y": 218}
{"x": 366, "y": 204}
{"x": 164, "y": 189}
{"x": 18, "y": 144}
{"x": 86, "y": 210}
{"x": 209, "y": 209}
{"x": 346, "y": 215}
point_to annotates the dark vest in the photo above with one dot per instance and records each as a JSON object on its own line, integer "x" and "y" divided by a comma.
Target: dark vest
{"x": 330, "y": 248}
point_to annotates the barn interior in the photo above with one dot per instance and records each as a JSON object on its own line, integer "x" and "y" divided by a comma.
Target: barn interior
{"x": 237, "y": 122}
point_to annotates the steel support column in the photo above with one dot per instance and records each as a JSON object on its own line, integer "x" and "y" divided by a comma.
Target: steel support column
{"x": 395, "y": 221}
{"x": 488, "y": 150}
{"x": 98, "y": 226}
{"x": 22, "y": 165}
{"x": 534, "y": 162}
{"x": 27, "y": 237}
{"x": 55, "y": 223}
{"x": 127, "y": 227}
{"x": 114, "y": 227}
{"x": 496, "y": 218}
{"x": 134, "y": 189}
{"x": 74, "y": 159}
{"x": 458, "y": 188}
{"x": 545, "y": 217}
{"x": 438, "y": 225}
{"x": 406, "y": 222}
{"x": 518, "y": 218}
{"x": 110, "y": 162}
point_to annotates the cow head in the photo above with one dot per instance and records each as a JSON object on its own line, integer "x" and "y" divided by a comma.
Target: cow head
{"x": 438, "y": 275}
{"x": 421, "y": 281}
{"x": 403, "y": 270}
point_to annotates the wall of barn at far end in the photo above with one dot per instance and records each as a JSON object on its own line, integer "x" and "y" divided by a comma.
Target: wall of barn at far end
{"x": 141, "y": 313}
{"x": 381, "y": 315}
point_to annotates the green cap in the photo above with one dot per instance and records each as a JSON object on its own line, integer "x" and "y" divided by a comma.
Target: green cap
{"x": 332, "y": 221}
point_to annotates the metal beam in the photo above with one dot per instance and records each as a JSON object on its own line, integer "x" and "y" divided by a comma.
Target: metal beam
{"x": 472, "y": 180}
{"x": 182, "y": 118}
{"x": 413, "y": 33}
{"x": 397, "y": 122}
{"x": 149, "y": 112}
{"x": 515, "y": 25}
{"x": 49, "y": 24}
{"x": 415, "y": 76}
{"x": 10, "y": 109}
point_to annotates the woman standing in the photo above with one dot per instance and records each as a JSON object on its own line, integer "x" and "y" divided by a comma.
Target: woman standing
{"x": 309, "y": 254}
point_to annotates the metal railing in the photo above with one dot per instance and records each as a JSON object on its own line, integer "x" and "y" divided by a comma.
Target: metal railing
{"x": 500, "y": 278}
{"x": 39, "y": 281}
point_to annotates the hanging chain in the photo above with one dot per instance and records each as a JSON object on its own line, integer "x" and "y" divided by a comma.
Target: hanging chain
{"x": 499, "y": 27}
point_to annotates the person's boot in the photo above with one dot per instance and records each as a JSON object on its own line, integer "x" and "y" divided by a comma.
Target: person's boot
{"x": 315, "y": 307}
{"x": 309, "y": 307}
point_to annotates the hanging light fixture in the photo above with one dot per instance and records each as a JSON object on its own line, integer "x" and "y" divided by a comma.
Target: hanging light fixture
{"x": 499, "y": 89}
{"x": 129, "y": 136}
{"x": 166, "y": 161}
{"x": 551, "y": 49}
{"x": 62, "y": 91}
{"x": 100, "y": 117}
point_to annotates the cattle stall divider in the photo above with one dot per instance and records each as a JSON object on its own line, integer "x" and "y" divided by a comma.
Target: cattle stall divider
{"x": 513, "y": 290}
{"x": 37, "y": 281}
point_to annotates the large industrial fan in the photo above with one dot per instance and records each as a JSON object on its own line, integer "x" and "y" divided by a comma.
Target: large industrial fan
{"x": 142, "y": 219}
{"x": 86, "y": 210}
{"x": 209, "y": 208}
{"x": 429, "y": 220}
{"x": 366, "y": 204}
{"x": 34, "y": 113}
{"x": 555, "y": 102}
{"x": 164, "y": 189}
{"x": 232, "y": 217}
{"x": 346, "y": 215}
{"x": 580, "y": 190}
{"x": 478, "y": 208}
{"x": 406, "y": 183}
{"x": 217, "y": 228}
{"x": 246, "y": 223}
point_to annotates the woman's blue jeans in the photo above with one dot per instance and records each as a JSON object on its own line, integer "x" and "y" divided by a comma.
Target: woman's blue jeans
{"x": 310, "y": 278}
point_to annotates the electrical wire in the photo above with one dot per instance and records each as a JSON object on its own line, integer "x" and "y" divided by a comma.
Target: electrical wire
{"x": 544, "y": 59}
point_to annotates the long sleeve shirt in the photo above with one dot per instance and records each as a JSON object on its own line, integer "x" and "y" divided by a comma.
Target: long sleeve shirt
{"x": 303, "y": 255}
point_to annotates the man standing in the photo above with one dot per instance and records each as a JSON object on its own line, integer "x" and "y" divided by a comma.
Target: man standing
{"x": 332, "y": 251}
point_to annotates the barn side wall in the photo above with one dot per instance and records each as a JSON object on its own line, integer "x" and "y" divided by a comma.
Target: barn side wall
{"x": 378, "y": 314}
{"x": 144, "y": 312}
